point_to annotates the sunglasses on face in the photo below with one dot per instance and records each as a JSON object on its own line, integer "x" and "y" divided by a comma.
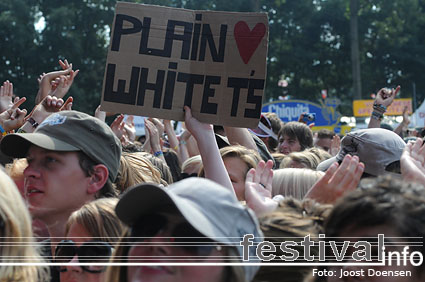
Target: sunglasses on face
{"x": 183, "y": 235}
{"x": 185, "y": 175}
{"x": 88, "y": 252}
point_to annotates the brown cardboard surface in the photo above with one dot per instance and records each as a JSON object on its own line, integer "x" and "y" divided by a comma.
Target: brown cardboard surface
{"x": 222, "y": 53}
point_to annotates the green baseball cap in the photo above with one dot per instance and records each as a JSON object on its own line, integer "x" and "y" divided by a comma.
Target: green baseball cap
{"x": 69, "y": 131}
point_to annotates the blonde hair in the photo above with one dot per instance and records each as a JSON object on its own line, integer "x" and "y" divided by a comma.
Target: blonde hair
{"x": 250, "y": 157}
{"x": 16, "y": 169}
{"x": 161, "y": 166}
{"x": 293, "y": 219}
{"x": 320, "y": 153}
{"x": 294, "y": 182}
{"x": 192, "y": 163}
{"x": 278, "y": 157}
{"x": 135, "y": 168}
{"x": 99, "y": 219}
{"x": 306, "y": 158}
{"x": 15, "y": 223}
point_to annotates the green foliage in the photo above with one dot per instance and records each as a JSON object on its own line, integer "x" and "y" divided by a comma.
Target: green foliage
{"x": 309, "y": 44}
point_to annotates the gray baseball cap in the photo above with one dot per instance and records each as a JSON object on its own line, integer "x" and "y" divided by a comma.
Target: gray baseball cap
{"x": 69, "y": 131}
{"x": 207, "y": 206}
{"x": 375, "y": 147}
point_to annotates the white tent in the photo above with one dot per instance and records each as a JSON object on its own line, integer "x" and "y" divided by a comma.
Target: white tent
{"x": 418, "y": 117}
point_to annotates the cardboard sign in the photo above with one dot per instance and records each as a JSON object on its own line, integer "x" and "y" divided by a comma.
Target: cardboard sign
{"x": 364, "y": 108}
{"x": 161, "y": 59}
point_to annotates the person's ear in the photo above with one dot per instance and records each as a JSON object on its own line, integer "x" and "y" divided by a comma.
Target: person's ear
{"x": 98, "y": 178}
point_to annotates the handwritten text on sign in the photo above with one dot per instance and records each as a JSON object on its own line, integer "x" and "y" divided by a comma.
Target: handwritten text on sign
{"x": 161, "y": 59}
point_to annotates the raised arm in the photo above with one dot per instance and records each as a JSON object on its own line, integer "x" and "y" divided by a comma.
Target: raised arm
{"x": 211, "y": 159}
{"x": 404, "y": 124}
{"x": 41, "y": 111}
{"x": 241, "y": 136}
{"x": 172, "y": 138}
{"x": 383, "y": 100}
{"x": 154, "y": 139}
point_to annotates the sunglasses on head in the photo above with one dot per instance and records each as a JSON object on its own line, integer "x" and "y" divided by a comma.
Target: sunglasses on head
{"x": 264, "y": 128}
{"x": 183, "y": 235}
{"x": 88, "y": 252}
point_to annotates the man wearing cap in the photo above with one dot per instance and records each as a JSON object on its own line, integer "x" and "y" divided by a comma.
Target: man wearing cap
{"x": 73, "y": 158}
{"x": 379, "y": 149}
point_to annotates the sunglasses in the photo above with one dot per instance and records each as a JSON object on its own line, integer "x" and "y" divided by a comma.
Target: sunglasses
{"x": 88, "y": 252}
{"x": 264, "y": 128}
{"x": 185, "y": 175}
{"x": 183, "y": 235}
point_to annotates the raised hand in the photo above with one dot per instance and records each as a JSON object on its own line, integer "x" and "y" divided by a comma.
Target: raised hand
{"x": 338, "y": 180}
{"x": 56, "y": 83}
{"x": 130, "y": 129}
{"x": 413, "y": 162}
{"x": 198, "y": 129}
{"x": 100, "y": 114}
{"x": 386, "y": 96}
{"x": 117, "y": 126}
{"x": 6, "y": 96}
{"x": 41, "y": 111}
{"x": 155, "y": 142}
{"x": 49, "y": 105}
{"x": 258, "y": 187}
{"x": 335, "y": 145}
{"x": 158, "y": 125}
{"x": 13, "y": 117}
{"x": 67, "y": 106}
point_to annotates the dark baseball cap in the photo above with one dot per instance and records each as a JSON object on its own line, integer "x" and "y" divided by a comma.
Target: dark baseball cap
{"x": 375, "y": 147}
{"x": 69, "y": 131}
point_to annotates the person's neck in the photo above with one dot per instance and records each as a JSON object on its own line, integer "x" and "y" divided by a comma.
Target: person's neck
{"x": 56, "y": 227}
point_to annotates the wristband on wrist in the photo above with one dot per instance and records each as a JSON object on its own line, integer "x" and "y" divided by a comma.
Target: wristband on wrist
{"x": 33, "y": 122}
{"x": 176, "y": 148}
{"x": 377, "y": 115}
{"x": 159, "y": 153}
{"x": 379, "y": 108}
{"x": 182, "y": 142}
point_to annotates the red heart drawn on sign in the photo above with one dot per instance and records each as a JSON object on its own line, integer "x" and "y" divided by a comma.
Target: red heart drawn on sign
{"x": 247, "y": 40}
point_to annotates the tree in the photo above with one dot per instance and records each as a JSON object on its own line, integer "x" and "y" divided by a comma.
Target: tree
{"x": 355, "y": 60}
{"x": 309, "y": 43}
{"x": 18, "y": 61}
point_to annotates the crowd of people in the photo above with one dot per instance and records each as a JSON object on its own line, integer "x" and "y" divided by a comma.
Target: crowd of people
{"x": 81, "y": 200}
